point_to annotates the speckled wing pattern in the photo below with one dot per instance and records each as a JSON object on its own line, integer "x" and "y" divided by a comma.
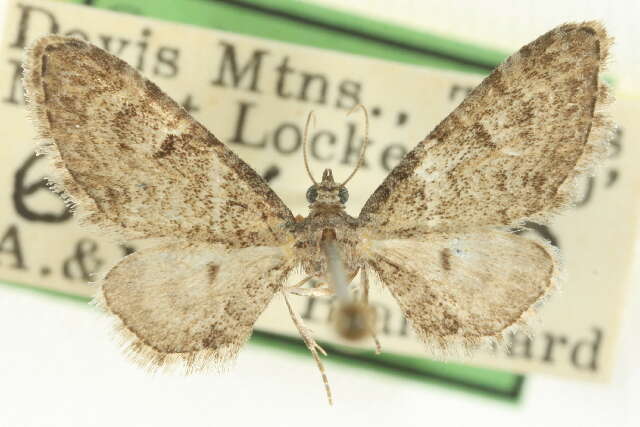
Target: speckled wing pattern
{"x": 510, "y": 152}
{"x": 191, "y": 306}
{"x": 465, "y": 289}
{"x": 133, "y": 163}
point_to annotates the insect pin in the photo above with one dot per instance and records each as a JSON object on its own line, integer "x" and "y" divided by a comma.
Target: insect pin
{"x": 436, "y": 233}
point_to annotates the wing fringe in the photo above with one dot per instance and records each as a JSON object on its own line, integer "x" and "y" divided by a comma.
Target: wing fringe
{"x": 602, "y": 130}
{"x": 457, "y": 347}
{"x": 216, "y": 360}
{"x": 60, "y": 180}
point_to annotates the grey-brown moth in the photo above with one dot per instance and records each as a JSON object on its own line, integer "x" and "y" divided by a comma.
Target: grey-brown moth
{"x": 436, "y": 233}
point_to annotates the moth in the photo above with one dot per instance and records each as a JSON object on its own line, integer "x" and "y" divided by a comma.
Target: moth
{"x": 437, "y": 233}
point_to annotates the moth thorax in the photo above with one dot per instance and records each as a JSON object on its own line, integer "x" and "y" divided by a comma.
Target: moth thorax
{"x": 354, "y": 320}
{"x": 328, "y": 235}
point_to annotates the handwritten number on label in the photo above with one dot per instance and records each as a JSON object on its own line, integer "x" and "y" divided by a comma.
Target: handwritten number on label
{"x": 22, "y": 190}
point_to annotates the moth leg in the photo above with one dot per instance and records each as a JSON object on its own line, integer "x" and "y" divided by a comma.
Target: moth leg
{"x": 364, "y": 280}
{"x": 319, "y": 291}
{"x": 310, "y": 292}
{"x": 302, "y": 282}
{"x": 353, "y": 287}
{"x": 311, "y": 344}
{"x": 298, "y": 285}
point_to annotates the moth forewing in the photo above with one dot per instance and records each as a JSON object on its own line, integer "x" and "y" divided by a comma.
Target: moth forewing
{"x": 512, "y": 150}
{"x": 133, "y": 162}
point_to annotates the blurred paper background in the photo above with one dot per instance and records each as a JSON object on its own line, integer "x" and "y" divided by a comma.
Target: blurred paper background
{"x": 59, "y": 366}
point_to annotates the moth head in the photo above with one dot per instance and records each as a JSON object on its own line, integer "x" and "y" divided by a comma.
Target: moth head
{"x": 327, "y": 192}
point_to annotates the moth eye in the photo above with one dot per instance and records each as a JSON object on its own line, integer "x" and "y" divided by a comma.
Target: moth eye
{"x": 343, "y": 194}
{"x": 312, "y": 194}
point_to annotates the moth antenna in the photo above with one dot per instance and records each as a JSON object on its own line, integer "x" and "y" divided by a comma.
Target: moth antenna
{"x": 366, "y": 140}
{"x": 304, "y": 144}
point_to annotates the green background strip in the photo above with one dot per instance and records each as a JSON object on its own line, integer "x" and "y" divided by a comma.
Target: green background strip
{"x": 311, "y": 25}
